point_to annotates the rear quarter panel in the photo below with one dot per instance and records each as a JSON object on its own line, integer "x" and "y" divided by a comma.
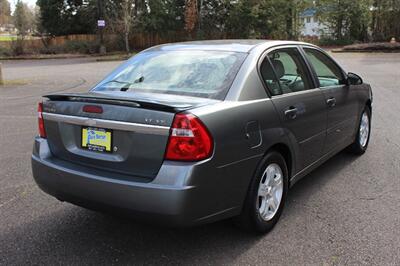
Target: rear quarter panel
{"x": 238, "y": 148}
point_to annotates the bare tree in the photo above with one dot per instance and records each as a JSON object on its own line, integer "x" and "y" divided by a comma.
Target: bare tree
{"x": 121, "y": 16}
{"x": 128, "y": 9}
{"x": 5, "y": 12}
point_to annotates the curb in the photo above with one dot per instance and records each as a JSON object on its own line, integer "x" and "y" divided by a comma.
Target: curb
{"x": 366, "y": 51}
{"x": 44, "y": 58}
{"x": 98, "y": 57}
{"x": 111, "y": 59}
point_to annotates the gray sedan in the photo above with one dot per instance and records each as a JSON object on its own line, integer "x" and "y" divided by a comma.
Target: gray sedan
{"x": 191, "y": 133}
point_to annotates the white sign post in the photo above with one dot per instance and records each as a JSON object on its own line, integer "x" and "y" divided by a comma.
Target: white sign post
{"x": 101, "y": 23}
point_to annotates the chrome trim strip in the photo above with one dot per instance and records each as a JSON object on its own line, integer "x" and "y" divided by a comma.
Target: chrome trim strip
{"x": 109, "y": 124}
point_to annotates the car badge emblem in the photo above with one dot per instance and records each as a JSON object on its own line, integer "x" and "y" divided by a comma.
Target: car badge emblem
{"x": 91, "y": 122}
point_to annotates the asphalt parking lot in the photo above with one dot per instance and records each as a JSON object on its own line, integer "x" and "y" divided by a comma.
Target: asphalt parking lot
{"x": 346, "y": 212}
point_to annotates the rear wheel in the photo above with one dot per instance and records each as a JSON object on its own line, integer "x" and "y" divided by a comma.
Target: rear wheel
{"x": 266, "y": 196}
{"x": 361, "y": 142}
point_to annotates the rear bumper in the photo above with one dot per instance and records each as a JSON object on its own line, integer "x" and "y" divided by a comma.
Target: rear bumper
{"x": 168, "y": 199}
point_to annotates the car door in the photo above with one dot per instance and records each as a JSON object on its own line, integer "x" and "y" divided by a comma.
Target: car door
{"x": 300, "y": 106}
{"x": 340, "y": 99}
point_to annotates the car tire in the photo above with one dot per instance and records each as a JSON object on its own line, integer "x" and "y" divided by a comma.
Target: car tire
{"x": 361, "y": 142}
{"x": 258, "y": 215}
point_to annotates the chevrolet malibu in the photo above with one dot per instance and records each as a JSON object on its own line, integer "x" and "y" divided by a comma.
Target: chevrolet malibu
{"x": 191, "y": 133}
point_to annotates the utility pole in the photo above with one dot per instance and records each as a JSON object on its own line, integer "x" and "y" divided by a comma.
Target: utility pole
{"x": 101, "y": 25}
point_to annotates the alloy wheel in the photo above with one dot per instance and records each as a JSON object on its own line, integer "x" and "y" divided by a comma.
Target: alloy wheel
{"x": 364, "y": 130}
{"x": 270, "y": 192}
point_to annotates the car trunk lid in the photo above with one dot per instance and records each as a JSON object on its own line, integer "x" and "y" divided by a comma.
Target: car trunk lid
{"x": 137, "y": 128}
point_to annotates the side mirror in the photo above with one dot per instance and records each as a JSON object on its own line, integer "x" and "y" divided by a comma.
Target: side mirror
{"x": 354, "y": 79}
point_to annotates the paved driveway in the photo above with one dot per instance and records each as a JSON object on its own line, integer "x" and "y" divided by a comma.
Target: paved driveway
{"x": 346, "y": 212}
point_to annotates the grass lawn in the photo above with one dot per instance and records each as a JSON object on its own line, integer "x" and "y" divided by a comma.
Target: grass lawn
{"x": 15, "y": 82}
{"x": 7, "y": 38}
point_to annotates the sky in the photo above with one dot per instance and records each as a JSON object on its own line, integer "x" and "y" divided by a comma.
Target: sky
{"x": 29, "y": 2}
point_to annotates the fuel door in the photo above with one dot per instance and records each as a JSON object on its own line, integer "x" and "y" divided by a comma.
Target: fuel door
{"x": 253, "y": 134}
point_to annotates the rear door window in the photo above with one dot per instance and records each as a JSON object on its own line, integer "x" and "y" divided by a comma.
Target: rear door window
{"x": 284, "y": 71}
{"x": 270, "y": 78}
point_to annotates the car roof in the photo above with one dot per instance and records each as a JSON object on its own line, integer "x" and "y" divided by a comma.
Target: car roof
{"x": 241, "y": 46}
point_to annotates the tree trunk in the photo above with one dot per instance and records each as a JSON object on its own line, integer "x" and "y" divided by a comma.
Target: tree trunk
{"x": 127, "y": 41}
{"x": 128, "y": 13}
{"x": 339, "y": 22}
{"x": 289, "y": 23}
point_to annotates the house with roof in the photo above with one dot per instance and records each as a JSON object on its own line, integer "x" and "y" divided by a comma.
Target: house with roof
{"x": 310, "y": 25}
{"x": 8, "y": 28}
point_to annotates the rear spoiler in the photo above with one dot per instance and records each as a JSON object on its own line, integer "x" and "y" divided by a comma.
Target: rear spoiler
{"x": 121, "y": 101}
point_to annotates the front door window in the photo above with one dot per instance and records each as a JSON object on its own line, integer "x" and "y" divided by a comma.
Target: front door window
{"x": 328, "y": 73}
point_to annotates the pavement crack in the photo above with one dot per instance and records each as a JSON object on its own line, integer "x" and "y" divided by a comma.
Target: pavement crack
{"x": 393, "y": 143}
{"x": 382, "y": 194}
{"x": 19, "y": 195}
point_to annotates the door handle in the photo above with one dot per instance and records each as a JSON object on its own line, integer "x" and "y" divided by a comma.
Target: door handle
{"x": 291, "y": 113}
{"x": 331, "y": 102}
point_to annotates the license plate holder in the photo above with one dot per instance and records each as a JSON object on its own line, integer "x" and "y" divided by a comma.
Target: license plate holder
{"x": 96, "y": 139}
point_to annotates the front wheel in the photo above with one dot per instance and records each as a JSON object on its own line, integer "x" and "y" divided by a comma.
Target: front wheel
{"x": 361, "y": 142}
{"x": 266, "y": 196}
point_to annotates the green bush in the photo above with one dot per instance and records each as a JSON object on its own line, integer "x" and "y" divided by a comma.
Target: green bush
{"x": 5, "y": 52}
{"x": 389, "y": 47}
{"x": 328, "y": 41}
{"x": 17, "y": 47}
{"x": 114, "y": 44}
{"x": 82, "y": 47}
{"x": 72, "y": 47}
{"x": 52, "y": 50}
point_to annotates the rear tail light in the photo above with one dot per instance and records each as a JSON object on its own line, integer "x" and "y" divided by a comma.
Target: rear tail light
{"x": 189, "y": 139}
{"x": 42, "y": 131}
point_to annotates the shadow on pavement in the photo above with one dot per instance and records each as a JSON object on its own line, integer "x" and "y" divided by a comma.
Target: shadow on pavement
{"x": 71, "y": 235}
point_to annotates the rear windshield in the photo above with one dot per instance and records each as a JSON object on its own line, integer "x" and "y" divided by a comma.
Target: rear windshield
{"x": 205, "y": 74}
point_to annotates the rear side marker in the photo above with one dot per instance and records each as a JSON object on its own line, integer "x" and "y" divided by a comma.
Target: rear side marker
{"x": 42, "y": 130}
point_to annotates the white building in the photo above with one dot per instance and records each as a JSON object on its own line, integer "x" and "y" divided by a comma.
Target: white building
{"x": 310, "y": 24}
{"x": 8, "y": 28}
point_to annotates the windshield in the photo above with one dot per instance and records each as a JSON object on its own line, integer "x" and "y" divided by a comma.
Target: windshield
{"x": 206, "y": 74}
